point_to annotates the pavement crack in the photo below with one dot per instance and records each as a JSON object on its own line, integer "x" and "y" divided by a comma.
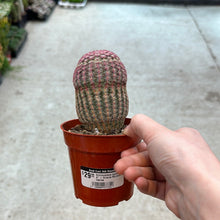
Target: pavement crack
{"x": 204, "y": 39}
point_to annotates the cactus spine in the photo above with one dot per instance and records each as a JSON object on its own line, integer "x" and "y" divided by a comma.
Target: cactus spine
{"x": 100, "y": 88}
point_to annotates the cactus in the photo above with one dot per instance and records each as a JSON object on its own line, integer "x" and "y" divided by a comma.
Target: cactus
{"x": 100, "y": 88}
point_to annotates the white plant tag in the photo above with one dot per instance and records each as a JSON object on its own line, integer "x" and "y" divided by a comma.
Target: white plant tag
{"x": 101, "y": 178}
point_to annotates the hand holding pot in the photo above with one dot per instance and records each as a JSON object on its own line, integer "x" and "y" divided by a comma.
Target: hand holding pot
{"x": 175, "y": 166}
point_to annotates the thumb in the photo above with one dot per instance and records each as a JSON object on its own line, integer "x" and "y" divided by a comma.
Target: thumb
{"x": 143, "y": 127}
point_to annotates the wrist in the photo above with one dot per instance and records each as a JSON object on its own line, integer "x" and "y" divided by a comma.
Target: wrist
{"x": 202, "y": 197}
{"x": 209, "y": 200}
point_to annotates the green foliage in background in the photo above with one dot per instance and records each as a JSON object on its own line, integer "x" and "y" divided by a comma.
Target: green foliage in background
{"x": 5, "y": 8}
{"x": 13, "y": 8}
{"x": 16, "y": 36}
{"x": 2, "y": 57}
{"x": 25, "y": 3}
{"x": 76, "y": 1}
{"x": 4, "y": 29}
{"x": 4, "y": 64}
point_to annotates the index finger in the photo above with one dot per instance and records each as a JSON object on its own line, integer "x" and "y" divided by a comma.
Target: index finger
{"x": 138, "y": 148}
{"x": 140, "y": 160}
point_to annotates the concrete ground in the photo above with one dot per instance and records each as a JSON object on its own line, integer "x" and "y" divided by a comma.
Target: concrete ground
{"x": 172, "y": 56}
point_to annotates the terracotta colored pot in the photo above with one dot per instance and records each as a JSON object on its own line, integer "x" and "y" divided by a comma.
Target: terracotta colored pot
{"x": 92, "y": 159}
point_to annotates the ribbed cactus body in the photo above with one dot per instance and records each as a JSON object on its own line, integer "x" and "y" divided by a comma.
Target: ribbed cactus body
{"x": 100, "y": 88}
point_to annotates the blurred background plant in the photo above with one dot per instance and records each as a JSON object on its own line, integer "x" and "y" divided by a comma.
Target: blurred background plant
{"x": 4, "y": 41}
{"x": 13, "y": 16}
{"x": 2, "y": 57}
{"x": 4, "y": 63}
{"x": 42, "y": 8}
{"x": 16, "y": 9}
{"x": 11, "y": 12}
{"x": 4, "y": 29}
{"x": 75, "y": 1}
{"x": 16, "y": 38}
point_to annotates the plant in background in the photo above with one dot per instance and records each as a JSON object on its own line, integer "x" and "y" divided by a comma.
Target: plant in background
{"x": 100, "y": 88}
{"x": 15, "y": 9}
{"x": 25, "y": 4}
{"x": 16, "y": 38}
{"x": 4, "y": 64}
{"x": 4, "y": 29}
{"x": 73, "y": 3}
{"x": 16, "y": 12}
{"x": 42, "y": 8}
{"x": 5, "y": 8}
{"x": 76, "y": 1}
{"x": 2, "y": 57}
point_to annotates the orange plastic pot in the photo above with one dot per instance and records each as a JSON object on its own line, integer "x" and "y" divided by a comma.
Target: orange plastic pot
{"x": 92, "y": 159}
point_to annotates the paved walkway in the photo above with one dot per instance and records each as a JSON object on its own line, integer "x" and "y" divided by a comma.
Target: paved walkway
{"x": 172, "y": 56}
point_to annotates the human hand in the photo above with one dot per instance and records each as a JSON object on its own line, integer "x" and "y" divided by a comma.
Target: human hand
{"x": 175, "y": 166}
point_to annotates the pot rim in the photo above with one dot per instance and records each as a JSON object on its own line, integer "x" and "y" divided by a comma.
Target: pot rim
{"x": 95, "y": 143}
{"x": 66, "y": 130}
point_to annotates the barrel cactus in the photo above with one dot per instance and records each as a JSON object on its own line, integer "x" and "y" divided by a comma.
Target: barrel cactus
{"x": 100, "y": 88}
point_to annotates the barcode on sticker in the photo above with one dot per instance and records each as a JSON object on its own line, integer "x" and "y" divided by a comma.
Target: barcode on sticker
{"x": 103, "y": 185}
{"x": 100, "y": 178}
